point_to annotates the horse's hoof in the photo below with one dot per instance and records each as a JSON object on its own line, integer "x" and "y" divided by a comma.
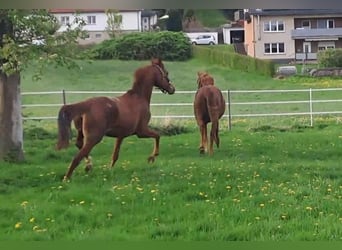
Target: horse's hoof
{"x": 88, "y": 167}
{"x": 150, "y": 159}
{"x": 202, "y": 151}
{"x": 65, "y": 179}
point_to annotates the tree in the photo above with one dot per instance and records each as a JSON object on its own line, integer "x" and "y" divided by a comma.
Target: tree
{"x": 175, "y": 20}
{"x": 114, "y": 22}
{"x": 28, "y": 37}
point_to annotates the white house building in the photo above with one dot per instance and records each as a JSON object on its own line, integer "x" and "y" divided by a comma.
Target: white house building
{"x": 96, "y": 21}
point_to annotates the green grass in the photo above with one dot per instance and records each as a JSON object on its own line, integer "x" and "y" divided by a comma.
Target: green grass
{"x": 266, "y": 182}
{"x": 210, "y": 18}
{"x": 263, "y": 183}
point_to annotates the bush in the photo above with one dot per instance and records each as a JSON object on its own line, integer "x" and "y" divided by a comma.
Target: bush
{"x": 172, "y": 46}
{"x": 234, "y": 60}
{"x": 330, "y": 58}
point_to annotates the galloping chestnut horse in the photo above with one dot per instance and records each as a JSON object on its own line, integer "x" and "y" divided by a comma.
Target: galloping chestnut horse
{"x": 118, "y": 117}
{"x": 209, "y": 106}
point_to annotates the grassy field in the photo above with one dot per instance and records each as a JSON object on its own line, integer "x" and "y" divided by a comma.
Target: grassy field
{"x": 265, "y": 182}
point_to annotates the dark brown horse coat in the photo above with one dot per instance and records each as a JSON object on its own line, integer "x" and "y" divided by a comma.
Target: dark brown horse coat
{"x": 119, "y": 117}
{"x": 209, "y": 106}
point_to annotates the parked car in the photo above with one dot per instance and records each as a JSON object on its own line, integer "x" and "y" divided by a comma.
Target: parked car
{"x": 204, "y": 40}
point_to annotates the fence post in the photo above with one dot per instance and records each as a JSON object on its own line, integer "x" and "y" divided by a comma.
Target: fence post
{"x": 64, "y": 98}
{"x": 229, "y": 110}
{"x": 311, "y": 109}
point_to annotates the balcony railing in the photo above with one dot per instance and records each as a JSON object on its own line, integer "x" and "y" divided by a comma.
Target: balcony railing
{"x": 306, "y": 56}
{"x": 317, "y": 34}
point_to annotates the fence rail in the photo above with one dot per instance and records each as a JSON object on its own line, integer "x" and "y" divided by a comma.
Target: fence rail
{"x": 240, "y": 103}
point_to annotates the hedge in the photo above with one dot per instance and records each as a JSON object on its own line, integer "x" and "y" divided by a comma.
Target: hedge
{"x": 167, "y": 45}
{"x": 234, "y": 60}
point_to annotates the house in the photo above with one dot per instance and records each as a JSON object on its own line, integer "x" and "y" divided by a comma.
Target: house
{"x": 289, "y": 34}
{"x": 96, "y": 21}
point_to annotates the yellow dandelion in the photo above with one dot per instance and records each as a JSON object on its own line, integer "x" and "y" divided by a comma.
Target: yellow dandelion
{"x": 153, "y": 191}
{"x": 82, "y": 202}
{"x": 257, "y": 218}
{"x": 32, "y": 219}
{"x": 308, "y": 208}
{"x": 109, "y": 215}
{"x": 24, "y": 203}
{"x": 228, "y": 187}
{"x": 140, "y": 189}
{"x": 262, "y": 205}
{"x": 35, "y": 228}
{"x": 18, "y": 225}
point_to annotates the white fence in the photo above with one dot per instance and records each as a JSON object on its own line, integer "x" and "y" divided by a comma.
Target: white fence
{"x": 240, "y": 103}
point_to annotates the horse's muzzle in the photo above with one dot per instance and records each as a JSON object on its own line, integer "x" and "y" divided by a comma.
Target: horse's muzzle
{"x": 171, "y": 90}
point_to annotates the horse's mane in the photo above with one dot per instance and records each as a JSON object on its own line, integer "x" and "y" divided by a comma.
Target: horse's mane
{"x": 204, "y": 79}
{"x": 141, "y": 74}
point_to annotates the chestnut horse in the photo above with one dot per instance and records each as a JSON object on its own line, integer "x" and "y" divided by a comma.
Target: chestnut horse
{"x": 209, "y": 106}
{"x": 120, "y": 117}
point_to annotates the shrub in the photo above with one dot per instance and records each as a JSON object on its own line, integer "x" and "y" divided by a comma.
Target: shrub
{"x": 173, "y": 46}
{"x": 234, "y": 60}
{"x": 330, "y": 58}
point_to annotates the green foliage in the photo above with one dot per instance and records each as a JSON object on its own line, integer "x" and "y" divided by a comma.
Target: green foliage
{"x": 114, "y": 21}
{"x": 234, "y": 60}
{"x": 31, "y": 38}
{"x": 330, "y": 58}
{"x": 142, "y": 46}
{"x": 175, "y": 20}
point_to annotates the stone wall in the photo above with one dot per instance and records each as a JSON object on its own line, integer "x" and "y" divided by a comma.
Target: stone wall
{"x": 326, "y": 72}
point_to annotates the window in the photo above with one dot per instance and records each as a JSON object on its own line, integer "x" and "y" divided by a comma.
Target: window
{"x": 91, "y": 19}
{"x": 274, "y": 26}
{"x": 326, "y": 45}
{"x": 325, "y": 24}
{"x": 330, "y": 24}
{"x": 274, "y": 48}
{"x": 65, "y": 20}
{"x": 306, "y": 24}
{"x": 98, "y": 35}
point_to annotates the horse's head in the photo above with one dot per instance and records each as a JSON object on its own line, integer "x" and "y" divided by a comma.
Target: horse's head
{"x": 203, "y": 78}
{"x": 162, "y": 80}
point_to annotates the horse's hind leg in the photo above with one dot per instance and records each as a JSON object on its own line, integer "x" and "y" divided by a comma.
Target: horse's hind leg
{"x": 115, "y": 155}
{"x": 204, "y": 138}
{"x": 84, "y": 152}
{"x": 214, "y": 136}
{"x": 79, "y": 143}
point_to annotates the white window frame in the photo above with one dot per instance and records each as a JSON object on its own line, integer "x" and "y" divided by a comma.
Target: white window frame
{"x": 91, "y": 19}
{"x": 274, "y": 23}
{"x": 272, "y": 45}
{"x": 325, "y": 45}
{"x": 65, "y": 20}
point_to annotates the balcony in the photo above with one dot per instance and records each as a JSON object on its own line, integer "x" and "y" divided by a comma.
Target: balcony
{"x": 306, "y": 56}
{"x": 317, "y": 34}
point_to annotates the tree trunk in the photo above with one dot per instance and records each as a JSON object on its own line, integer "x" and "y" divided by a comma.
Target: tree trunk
{"x": 11, "y": 129}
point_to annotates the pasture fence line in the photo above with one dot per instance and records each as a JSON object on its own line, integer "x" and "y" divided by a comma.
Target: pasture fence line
{"x": 239, "y": 103}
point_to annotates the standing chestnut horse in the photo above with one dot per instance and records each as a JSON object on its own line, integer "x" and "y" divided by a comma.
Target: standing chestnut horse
{"x": 209, "y": 106}
{"x": 119, "y": 117}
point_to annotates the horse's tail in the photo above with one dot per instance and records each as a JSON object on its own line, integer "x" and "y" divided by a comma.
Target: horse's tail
{"x": 65, "y": 116}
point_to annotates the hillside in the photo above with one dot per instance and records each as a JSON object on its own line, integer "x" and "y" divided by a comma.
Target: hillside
{"x": 206, "y": 19}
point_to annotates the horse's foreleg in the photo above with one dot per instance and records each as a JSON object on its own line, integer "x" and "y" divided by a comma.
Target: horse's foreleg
{"x": 148, "y": 133}
{"x": 116, "y": 150}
